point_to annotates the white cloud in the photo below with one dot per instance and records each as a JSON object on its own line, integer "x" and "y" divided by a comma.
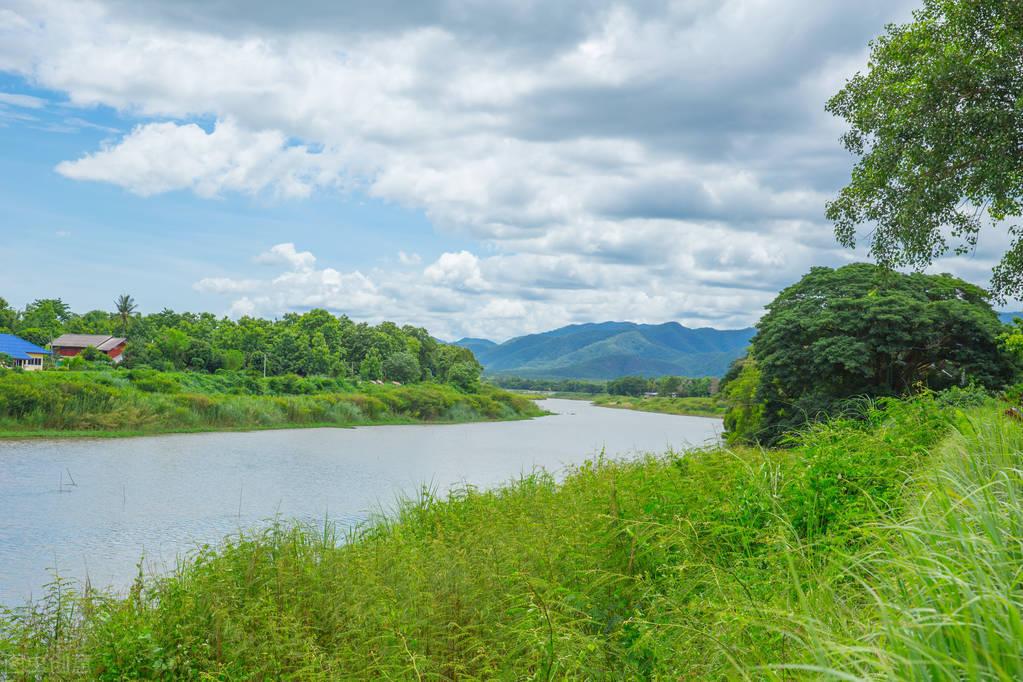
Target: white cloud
{"x": 409, "y": 258}
{"x": 160, "y": 157}
{"x": 287, "y": 254}
{"x": 225, "y": 285}
{"x": 24, "y": 101}
{"x": 610, "y": 159}
{"x": 458, "y": 270}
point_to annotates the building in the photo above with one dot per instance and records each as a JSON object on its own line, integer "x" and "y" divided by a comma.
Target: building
{"x": 23, "y": 353}
{"x": 70, "y": 345}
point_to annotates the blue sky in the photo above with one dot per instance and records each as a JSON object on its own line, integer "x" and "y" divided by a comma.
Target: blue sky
{"x": 478, "y": 168}
{"x": 86, "y": 242}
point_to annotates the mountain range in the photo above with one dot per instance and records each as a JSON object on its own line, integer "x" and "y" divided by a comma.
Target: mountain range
{"x": 607, "y": 350}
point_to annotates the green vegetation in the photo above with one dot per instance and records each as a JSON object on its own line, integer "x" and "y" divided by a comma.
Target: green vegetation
{"x": 696, "y": 407}
{"x": 862, "y": 330}
{"x": 579, "y": 386}
{"x": 674, "y": 394}
{"x": 131, "y": 402}
{"x": 936, "y": 121}
{"x": 315, "y": 343}
{"x": 666, "y": 386}
{"x": 881, "y": 546}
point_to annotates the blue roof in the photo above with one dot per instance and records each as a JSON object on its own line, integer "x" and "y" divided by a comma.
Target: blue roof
{"x": 18, "y": 348}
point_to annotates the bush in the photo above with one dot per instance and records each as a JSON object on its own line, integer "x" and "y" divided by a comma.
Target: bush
{"x": 153, "y": 382}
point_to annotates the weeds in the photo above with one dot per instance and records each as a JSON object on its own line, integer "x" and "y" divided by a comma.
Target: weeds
{"x": 884, "y": 547}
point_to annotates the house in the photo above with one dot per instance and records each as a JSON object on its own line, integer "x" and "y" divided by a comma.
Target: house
{"x": 70, "y": 345}
{"x": 23, "y": 353}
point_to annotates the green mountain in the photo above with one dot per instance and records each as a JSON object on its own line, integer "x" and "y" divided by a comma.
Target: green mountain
{"x": 608, "y": 350}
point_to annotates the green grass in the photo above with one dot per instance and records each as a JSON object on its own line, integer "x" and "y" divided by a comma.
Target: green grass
{"x": 886, "y": 547}
{"x": 694, "y": 406}
{"x": 120, "y": 403}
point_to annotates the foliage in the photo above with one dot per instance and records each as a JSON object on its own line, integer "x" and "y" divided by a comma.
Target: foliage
{"x": 93, "y": 354}
{"x": 585, "y": 386}
{"x": 309, "y": 344}
{"x": 716, "y": 564}
{"x": 745, "y": 415}
{"x": 863, "y": 330}
{"x": 691, "y": 406}
{"x": 629, "y": 385}
{"x": 937, "y": 122}
{"x": 465, "y": 376}
{"x": 147, "y": 401}
{"x": 402, "y": 366}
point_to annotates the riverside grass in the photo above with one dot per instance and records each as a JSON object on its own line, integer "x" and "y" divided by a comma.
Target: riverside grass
{"x": 688, "y": 406}
{"x": 886, "y": 547}
{"x": 115, "y": 403}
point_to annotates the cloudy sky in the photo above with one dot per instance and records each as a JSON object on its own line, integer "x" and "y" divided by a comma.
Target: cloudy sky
{"x": 478, "y": 167}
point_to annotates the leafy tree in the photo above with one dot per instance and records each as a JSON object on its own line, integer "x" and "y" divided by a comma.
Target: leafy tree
{"x": 39, "y": 337}
{"x": 172, "y": 345}
{"x": 232, "y": 359}
{"x": 92, "y": 322}
{"x": 669, "y": 386}
{"x": 8, "y": 317}
{"x": 402, "y": 366}
{"x": 465, "y": 375}
{"x": 371, "y": 367}
{"x": 745, "y": 414}
{"x": 634, "y": 386}
{"x": 937, "y": 122}
{"x": 125, "y": 305}
{"x": 45, "y": 319}
{"x": 863, "y": 330}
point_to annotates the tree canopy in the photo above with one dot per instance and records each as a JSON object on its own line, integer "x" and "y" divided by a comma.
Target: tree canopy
{"x": 937, "y": 124}
{"x": 863, "y": 330}
{"x": 314, "y": 343}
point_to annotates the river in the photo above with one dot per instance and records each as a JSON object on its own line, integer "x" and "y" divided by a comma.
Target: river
{"x": 93, "y": 507}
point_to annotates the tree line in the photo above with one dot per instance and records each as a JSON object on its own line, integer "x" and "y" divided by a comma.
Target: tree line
{"x": 315, "y": 343}
{"x": 665, "y": 387}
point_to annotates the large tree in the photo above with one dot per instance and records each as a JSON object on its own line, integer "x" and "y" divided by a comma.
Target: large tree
{"x": 937, "y": 124}
{"x": 863, "y": 330}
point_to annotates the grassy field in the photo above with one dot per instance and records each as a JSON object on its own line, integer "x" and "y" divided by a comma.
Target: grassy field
{"x": 881, "y": 548}
{"x": 694, "y": 407}
{"x": 124, "y": 403}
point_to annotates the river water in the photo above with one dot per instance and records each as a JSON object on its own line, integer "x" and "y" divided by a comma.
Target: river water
{"x": 92, "y": 508}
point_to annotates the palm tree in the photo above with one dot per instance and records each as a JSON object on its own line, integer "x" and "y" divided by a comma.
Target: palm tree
{"x": 125, "y": 307}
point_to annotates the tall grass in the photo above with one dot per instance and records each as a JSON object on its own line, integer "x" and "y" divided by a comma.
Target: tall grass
{"x": 884, "y": 547}
{"x": 147, "y": 402}
{"x": 943, "y": 589}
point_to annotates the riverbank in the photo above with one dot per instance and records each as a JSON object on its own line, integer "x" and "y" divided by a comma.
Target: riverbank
{"x": 691, "y": 407}
{"x": 850, "y": 555}
{"x": 122, "y": 404}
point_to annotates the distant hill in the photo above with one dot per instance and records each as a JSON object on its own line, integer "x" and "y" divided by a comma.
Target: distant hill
{"x": 477, "y": 346}
{"x": 1006, "y": 318}
{"x": 608, "y": 350}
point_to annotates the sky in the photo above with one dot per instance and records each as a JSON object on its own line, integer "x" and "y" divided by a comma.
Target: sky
{"x": 482, "y": 168}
